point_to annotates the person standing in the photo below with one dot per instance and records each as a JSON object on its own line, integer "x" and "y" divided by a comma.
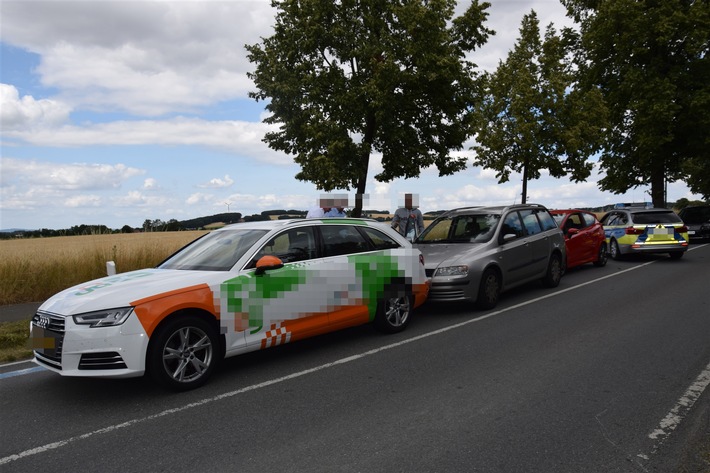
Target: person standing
{"x": 408, "y": 220}
{"x": 324, "y": 205}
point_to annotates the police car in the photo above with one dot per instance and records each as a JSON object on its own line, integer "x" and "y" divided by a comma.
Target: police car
{"x": 633, "y": 229}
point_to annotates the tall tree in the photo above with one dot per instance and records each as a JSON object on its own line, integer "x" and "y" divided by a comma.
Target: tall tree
{"x": 650, "y": 59}
{"x": 347, "y": 78}
{"x": 533, "y": 118}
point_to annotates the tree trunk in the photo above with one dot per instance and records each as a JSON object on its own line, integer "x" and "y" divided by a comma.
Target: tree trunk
{"x": 364, "y": 161}
{"x": 524, "y": 195}
{"x": 658, "y": 185}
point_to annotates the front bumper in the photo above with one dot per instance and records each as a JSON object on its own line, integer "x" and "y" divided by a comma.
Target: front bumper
{"x": 69, "y": 349}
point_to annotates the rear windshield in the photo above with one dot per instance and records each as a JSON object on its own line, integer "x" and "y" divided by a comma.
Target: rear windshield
{"x": 656, "y": 217}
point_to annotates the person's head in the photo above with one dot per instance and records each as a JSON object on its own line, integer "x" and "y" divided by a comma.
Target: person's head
{"x": 410, "y": 201}
{"x": 326, "y": 203}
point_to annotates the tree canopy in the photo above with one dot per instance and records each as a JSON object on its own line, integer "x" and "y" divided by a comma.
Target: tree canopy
{"x": 533, "y": 118}
{"x": 650, "y": 60}
{"x": 348, "y": 78}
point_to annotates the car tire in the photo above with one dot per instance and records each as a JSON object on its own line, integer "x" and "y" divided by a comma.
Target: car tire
{"x": 488, "y": 290}
{"x": 394, "y": 310}
{"x": 614, "y": 250}
{"x": 183, "y": 353}
{"x": 554, "y": 272}
{"x": 676, "y": 254}
{"x": 602, "y": 256}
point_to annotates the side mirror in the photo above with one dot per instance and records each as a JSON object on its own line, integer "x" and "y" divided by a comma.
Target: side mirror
{"x": 267, "y": 263}
{"x": 572, "y": 231}
{"x": 509, "y": 237}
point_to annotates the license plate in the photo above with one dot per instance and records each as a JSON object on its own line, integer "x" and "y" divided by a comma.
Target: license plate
{"x": 691, "y": 232}
{"x": 660, "y": 231}
{"x": 45, "y": 342}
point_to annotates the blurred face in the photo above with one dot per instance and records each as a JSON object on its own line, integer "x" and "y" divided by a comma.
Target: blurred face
{"x": 408, "y": 201}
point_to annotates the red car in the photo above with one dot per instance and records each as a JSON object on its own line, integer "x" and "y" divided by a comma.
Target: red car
{"x": 584, "y": 237}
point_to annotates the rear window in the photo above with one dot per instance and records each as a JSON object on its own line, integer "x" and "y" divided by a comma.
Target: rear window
{"x": 546, "y": 219}
{"x": 379, "y": 239}
{"x": 342, "y": 240}
{"x": 645, "y": 218}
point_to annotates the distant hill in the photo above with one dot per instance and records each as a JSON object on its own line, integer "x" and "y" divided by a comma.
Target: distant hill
{"x": 201, "y": 222}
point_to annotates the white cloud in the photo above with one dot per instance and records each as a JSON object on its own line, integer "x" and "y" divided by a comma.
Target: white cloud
{"x": 237, "y": 137}
{"x": 150, "y": 184}
{"x": 77, "y": 176}
{"x": 27, "y": 113}
{"x": 218, "y": 183}
{"x": 199, "y": 198}
{"x": 83, "y": 201}
{"x": 146, "y": 57}
{"x": 138, "y": 199}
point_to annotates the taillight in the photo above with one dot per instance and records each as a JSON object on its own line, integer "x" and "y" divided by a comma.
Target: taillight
{"x": 682, "y": 229}
{"x": 633, "y": 231}
{"x": 421, "y": 259}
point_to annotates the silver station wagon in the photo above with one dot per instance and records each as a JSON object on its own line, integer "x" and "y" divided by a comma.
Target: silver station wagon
{"x": 476, "y": 253}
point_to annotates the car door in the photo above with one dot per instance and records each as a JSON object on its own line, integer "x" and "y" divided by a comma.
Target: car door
{"x": 281, "y": 304}
{"x": 579, "y": 243}
{"x": 514, "y": 255}
{"x": 538, "y": 241}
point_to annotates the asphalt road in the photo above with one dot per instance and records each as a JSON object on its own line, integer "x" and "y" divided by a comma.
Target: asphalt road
{"x": 609, "y": 372}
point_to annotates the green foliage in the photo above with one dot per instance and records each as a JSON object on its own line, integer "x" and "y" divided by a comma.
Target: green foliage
{"x": 650, "y": 60}
{"x": 533, "y": 117}
{"x": 14, "y": 340}
{"x": 348, "y": 78}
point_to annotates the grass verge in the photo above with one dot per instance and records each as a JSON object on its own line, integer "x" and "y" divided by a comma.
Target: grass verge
{"x": 14, "y": 338}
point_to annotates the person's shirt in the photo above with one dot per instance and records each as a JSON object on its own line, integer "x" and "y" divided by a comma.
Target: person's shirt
{"x": 315, "y": 212}
{"x": 408, "y": 222}
{"x": 335, "y": 212}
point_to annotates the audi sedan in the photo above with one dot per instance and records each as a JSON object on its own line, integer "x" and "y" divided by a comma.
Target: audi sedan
{"x": 241, "y": 288}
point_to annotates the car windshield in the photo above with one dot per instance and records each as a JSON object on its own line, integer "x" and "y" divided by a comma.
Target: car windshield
{"x": 217, "y": 251}
{"x": 470, "y": 228}
{"x": 646, "y": 218}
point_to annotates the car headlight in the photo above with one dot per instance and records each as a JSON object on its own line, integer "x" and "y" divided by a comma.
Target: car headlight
{"x": 452, "y": 271}
{"x": 104, "y": 318}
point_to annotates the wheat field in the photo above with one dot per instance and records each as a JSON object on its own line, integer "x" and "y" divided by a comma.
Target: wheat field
{"x": 33, "y": 269}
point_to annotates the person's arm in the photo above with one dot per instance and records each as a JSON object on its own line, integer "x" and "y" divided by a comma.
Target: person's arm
{"x": 420, "y": 221}
{"x": 395, "y": 220}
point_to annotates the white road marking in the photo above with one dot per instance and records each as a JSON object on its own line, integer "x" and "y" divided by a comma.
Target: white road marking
{"x": 676, "y": 415}
{"x": 697, "y": 388}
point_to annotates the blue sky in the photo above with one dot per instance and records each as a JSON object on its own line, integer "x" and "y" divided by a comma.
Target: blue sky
{"x": 114, "y": 112}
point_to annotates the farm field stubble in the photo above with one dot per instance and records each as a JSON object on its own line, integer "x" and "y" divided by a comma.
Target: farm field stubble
{"x": 33, "y": 269}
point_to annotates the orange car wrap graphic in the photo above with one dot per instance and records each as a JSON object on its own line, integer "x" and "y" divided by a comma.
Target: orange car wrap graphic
{"x": 152, "y": 310}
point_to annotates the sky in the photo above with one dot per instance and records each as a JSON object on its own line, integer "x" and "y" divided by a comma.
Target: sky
{"x": 114, "y": 112}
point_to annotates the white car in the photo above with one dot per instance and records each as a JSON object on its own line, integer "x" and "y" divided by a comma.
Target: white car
{"x": 238, "y": 289}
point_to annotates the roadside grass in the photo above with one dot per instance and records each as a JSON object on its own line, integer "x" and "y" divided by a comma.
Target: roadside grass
{"x": 34, "y": 269}
{"x": 14, "y": 341}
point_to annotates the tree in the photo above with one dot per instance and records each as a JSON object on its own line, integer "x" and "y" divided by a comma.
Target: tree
{"x": 346, "y": 78}
{"x": 650, "y": 60}
{"x": 532, "y": 117}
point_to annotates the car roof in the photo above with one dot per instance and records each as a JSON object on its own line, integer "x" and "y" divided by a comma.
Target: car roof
{"x": 648, "y": 210}
{"x": 480, "y": 209}
{"x": 276, "y": 224}
{"x": 569, "y": 211}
